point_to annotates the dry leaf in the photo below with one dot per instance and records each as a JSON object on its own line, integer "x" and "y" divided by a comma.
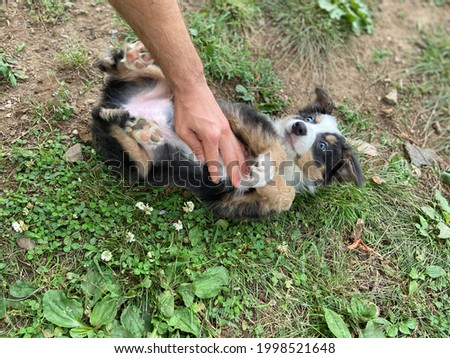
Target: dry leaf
{"x": 364, "y": 147}
{"x": 358, "y": 243}
{"x": 421, "y": 156}
{"x": 378, "y": 180}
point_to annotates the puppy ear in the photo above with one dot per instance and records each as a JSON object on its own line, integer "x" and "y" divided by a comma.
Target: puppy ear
{"x": 351, "y": 169}
{"x": 322, "y": 104}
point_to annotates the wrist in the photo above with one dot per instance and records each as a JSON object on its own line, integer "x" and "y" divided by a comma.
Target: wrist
{"x": 194, "y": 81}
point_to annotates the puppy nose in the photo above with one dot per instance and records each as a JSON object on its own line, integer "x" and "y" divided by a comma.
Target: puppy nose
{"x": 299, "y": 128}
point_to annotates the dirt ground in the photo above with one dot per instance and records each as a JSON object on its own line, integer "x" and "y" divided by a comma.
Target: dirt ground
{"x": 398, "y": 26}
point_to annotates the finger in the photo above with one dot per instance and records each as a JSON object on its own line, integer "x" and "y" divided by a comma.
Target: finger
{"x": 195, "y": 144}
{"x": 211, "y": 151}
{"x": 233, "y": 158}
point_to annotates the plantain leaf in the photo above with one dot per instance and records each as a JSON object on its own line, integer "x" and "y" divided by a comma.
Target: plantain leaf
{"x": 62, "y": 311}
{"x": 166, "y": 303}
{"x": 187, "y": 293}
{"x": 104, "y": 311}
{"x": 373, "y": 330}
{"x": 211, "y": 282}
{"x": 21, "y": 289}
{"x": 435, "y": 271}
{"x": 336, "y": 324}
{"x": 81, "y": 332}
{"x": 444, "y": 231}
{"x": 185, "y": 320}
{"x": 132, "y": 321}
{"x": 2, "y": 306}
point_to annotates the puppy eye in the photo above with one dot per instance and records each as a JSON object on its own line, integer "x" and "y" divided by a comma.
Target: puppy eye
{"x": 309, "y": 119}
{"x": 323, "y": 146}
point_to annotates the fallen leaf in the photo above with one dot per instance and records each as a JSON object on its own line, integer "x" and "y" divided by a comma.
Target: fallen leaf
{"x": 387, "y": 111}
{"x": 421, "y": 156}
{"x": 378, "y": 180}
{"x": 358, "y": 243}
{"x": 364, "y": 147}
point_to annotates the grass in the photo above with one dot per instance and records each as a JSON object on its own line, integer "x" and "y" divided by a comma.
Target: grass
{"x": 74, "y": 56}
{"x": 433, "y": 70}
{"x": 243, "y": 278}
{"x": 55, "y": 109}
{"x": 79, "y": 257}
{"x": 50, "y": 11}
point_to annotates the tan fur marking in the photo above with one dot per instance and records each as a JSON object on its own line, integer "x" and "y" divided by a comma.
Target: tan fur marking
{"x": 107, "y": 113}
{"x": 138, "y": 154}
{"x": 309, "y": 167}
{"x": 331, "y": 139}
{"x": 318, "y": 119}
{"x": 274, "y": 198}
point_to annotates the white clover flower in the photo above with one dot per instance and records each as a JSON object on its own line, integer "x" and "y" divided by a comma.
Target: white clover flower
{"x": 25, "y": 211}
{"x": 178, "y": 225}
{"x": 149, "y": 254}
{"x": 19, "y": 226}
{"x": 130, "y": 237}
{"x": 144, "y": 207}
{"x": 16, "y": 226}
{"x": 106, "y": 256}
{"x": 188, "y": 207}
{"x": 282, "y": 248}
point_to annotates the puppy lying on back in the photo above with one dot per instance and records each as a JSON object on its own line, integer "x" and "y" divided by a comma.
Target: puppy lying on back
{"x": 133, "y": 130}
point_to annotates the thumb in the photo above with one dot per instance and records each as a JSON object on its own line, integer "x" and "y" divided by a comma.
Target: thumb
{"x": 195, "y": 144}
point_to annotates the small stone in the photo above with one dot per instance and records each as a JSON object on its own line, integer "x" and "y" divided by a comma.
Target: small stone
{"x": 391, "y": 98}
{"x": 74, "y": 153}
{"x": 25, "y": 243}
{"x": 437, "y": 128}
{"x": 75, "y": 132}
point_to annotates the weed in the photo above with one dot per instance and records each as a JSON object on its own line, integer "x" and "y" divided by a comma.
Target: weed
{"x": 379, "y": 55}
{"x": 229, "y": 58}
{"x": 354, "y": 13}
{"x": 8, "y": 68}
{"x": 74, "y": 56}
{"x": 305, "y": 30}
{"x": 50, "y": 11}
{"x": 433, "y": 67}
{"x": 353, "y": 118}
{"x": 57, "y": 108}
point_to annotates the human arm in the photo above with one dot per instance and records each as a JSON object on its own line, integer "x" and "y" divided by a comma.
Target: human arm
{"x": 199, "y": 121}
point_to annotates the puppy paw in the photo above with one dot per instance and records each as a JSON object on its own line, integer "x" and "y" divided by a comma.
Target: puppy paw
{"x": 145, "y": 132}
{"x": 262, "y": 170}
{"x": 137, "y": 56}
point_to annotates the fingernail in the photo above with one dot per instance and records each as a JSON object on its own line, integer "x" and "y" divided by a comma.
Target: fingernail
{"x": 201, "y": 158}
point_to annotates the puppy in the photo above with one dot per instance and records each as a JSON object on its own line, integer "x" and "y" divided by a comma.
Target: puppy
{"x": 133, "y": 130}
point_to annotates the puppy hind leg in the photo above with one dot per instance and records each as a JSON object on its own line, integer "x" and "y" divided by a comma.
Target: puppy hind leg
{"x": 141, "y": 157}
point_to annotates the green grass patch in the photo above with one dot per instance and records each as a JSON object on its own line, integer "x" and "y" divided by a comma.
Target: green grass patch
{"x": 433, "y": 69}
{"x": 227, "y": 56}
{"x": 50, "y": 11}
{"x": 57, "y": 108}
{"x": 73, "y": 56}
{"x": 98, "y": 264}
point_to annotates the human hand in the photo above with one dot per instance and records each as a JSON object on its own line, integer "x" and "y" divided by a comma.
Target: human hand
{"x": 199, "y": 121}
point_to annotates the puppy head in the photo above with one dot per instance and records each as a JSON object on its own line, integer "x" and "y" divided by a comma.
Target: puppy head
{"x": 315, "y": 145}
